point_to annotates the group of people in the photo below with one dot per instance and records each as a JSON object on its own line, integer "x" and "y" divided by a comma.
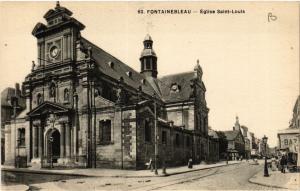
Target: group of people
{"x": 280, "y": 165}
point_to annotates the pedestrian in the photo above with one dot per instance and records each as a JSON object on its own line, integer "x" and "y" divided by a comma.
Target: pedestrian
{"x": 283, "y": 163}
{"x": 190, "y": 163}
{"x": 273, "y": 165}
{"x": 150, "y": 165}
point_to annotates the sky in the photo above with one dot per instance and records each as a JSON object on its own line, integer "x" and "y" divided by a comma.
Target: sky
{"x": 250, "y": 61}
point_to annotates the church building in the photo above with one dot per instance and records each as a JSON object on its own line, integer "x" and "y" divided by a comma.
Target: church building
{"x": 86, "y": 108}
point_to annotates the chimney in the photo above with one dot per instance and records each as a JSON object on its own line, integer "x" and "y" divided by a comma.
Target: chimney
{"x": 17, "y": 91}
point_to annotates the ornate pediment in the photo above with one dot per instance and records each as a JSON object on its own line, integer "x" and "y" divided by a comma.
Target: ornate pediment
{"x": 145, "y": 111}
{"x": 39, "y": 27}
{"x": 48, "y": 107}
{"x": 58, "y": 10}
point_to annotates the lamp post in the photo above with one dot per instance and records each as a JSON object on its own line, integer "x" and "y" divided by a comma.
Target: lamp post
{"x": 266, "y": 173}
{"x": 52, "y": 120}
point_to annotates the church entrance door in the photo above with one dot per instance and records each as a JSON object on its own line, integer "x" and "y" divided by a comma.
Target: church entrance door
{"x": 54, "y": 145}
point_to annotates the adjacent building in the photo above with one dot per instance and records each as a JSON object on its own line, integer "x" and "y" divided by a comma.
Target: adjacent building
{"x": 236, "y": 142}
{"x": 86, "y": 108}
{"x": 248, "y": 141}
{"x": 288, "y": 139}
{"x": 254, "y": 146}
{"x": 9, "y": 97}
{"x": 213, "y": 146}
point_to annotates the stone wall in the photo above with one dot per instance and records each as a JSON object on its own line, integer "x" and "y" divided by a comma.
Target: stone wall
{"x": 121, "y": 151}
{"x": 173, "y": 152}
{"x": 109, "y": 154}
{"x": 11, "y": 136}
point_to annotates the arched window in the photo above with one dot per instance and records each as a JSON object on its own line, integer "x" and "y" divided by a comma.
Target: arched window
{"x": 39, "y": 99}
{"x": 148, "y": 64}
{"x": 66, "y": 94}
{"x": 52, "y": 90}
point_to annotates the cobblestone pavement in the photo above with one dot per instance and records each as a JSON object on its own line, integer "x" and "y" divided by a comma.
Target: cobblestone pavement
{"x": 222, "y": 178}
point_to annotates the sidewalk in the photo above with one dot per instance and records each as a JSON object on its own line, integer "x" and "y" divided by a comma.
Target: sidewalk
{"x": 19, "y": 187}
{"x": 277, "y": 180}
{"x": 119, "y": 173}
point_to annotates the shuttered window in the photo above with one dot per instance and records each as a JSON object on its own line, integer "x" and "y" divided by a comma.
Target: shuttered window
{"x": 105, "y": 131}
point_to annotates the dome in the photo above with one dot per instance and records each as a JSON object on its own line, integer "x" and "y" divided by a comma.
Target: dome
{"x": 147, "y": 38}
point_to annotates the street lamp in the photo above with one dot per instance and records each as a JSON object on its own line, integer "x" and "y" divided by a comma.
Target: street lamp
{"x": 265, "y": 139}
{"x": 52, "y": 120}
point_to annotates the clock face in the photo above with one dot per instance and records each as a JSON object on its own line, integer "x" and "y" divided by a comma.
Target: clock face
{"x": 54, "y": 51}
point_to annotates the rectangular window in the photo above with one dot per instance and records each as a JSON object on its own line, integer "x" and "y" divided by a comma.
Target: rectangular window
{"x": 164, "y": 137}
{"x": 105, "y": 131}
{"x": 21, "y": 138}
{"x": 147, "y": 131}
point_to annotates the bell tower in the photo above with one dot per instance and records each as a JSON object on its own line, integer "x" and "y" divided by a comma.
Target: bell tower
{"x": 56, "y": 38}
{"x": 148, "y": 58}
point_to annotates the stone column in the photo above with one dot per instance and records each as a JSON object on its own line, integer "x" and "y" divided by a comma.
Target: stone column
{"x": 74, "y": 142}
{"x": 68, "y": 141}
{"x": 40, "y": 146}
{"x": 34, "y": 141}
{"x": 62, "y": 140}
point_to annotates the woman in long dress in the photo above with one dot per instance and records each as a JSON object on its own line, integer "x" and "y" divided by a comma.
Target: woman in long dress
{"x": 273, "y": 165}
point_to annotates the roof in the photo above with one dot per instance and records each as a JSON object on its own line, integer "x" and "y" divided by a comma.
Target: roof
{"x": 288, "y": 131}
{"x": 57, "y": 10}
{"x": 182, "y": 80}
{"x": 231, "y": 135}
{"x": 213, "y": 134}
{"x": 160, "y": 87}
{"x": 296, "y": 105}
{"x": 6, "y": 95}
{"x": 119, "y": 68}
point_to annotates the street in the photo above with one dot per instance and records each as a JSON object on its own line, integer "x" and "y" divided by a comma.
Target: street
{"x": 222, "y": 178}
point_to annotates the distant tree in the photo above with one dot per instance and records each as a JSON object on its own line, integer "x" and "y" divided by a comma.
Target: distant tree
{"x": 223, "y": 144}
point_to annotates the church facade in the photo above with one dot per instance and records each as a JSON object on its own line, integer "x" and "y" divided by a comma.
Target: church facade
{"x": 86, "y": 108}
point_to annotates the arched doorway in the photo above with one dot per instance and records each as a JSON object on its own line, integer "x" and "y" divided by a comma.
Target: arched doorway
{"x": 54, "y": 145}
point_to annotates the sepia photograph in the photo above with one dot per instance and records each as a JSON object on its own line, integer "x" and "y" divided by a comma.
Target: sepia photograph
{"x": 150, "y": 95}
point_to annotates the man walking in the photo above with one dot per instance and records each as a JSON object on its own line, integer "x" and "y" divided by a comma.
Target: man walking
{"x": 283, "y": 163}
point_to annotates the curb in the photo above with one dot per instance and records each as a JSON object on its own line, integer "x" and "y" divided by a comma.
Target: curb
{"x": 115, "y": 176}
{"x": 267, "y": 185}
{"x": 183, "y": 172}
{"x": 43, "y": 172}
